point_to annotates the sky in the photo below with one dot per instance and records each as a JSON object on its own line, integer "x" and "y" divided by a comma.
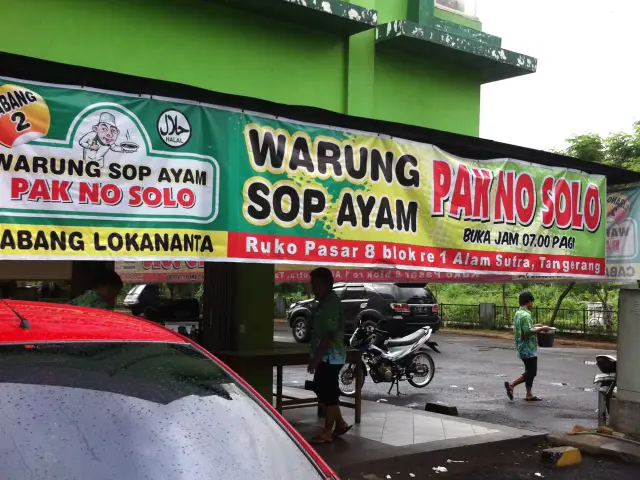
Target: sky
{"x": 588, "y": 77}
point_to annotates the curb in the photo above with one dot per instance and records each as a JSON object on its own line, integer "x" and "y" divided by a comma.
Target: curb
{"x": 598, "y": 445}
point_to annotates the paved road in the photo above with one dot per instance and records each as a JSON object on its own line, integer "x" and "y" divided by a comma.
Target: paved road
{"x": 470, "y": 373}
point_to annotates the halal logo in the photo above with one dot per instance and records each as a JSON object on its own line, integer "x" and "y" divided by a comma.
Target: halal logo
{"x": 174, "y": 128}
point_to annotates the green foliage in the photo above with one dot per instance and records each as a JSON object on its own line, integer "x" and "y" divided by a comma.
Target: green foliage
{"x": 292, "y": 291}
{"x": 619, "y": 149}
{"x": 546, "y": 294}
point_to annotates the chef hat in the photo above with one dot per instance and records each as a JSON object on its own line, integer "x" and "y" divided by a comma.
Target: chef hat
{"x": 107, "y": 118}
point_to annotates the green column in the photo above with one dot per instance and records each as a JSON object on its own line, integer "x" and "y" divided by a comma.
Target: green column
{"x": 420, "y": 11}
{"x": 254, "y": 320}
{"x": 361, "y": 70}
{"x": 238, "y": 315}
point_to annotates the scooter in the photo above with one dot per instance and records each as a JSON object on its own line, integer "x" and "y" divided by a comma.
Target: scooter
{"x": 607, "y": 383}
{"x": 391, "y": 360}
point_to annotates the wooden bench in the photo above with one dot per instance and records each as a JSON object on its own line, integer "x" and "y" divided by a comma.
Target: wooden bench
{"x": 293, "y": 398}
{"x": 288, "y": 354}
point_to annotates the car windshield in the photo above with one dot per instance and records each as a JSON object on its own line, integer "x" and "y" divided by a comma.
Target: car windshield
{"x": 135, "y": 411}
{"x": 136, "y": 290}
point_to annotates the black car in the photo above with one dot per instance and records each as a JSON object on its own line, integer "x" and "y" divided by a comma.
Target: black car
{"x": 399, "y": 308}
{"x": 145, "y": 300}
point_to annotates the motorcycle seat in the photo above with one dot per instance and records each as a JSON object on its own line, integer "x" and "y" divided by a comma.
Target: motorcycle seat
{"x": 408, "y": 340}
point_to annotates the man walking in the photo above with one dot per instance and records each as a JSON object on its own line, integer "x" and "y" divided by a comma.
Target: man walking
{"x": 526, "y": 346}
{"x": 328, "y": 354}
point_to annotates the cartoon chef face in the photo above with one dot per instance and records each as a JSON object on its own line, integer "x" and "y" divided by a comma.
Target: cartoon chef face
{"x": 107, "y": 134}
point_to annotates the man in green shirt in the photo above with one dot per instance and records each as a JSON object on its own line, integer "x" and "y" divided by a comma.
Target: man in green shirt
{"x": 328, "y": 354}
{"x": 526, "y": 346}
{"x": 103, "y": 293}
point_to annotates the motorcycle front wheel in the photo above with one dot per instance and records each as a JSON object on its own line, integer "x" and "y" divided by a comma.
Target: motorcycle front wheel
{"x": 347, "y": 379}
{"x": 422, "y": 370}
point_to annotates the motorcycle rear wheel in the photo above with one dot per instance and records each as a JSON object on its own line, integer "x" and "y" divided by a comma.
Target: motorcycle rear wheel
{"x": 347, "y": 379}
{"x": 424, "y": 359}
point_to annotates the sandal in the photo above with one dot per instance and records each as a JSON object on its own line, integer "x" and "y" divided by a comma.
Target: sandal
{"x": 533, "y": 399}
{"x": 319, "y": 440}
{"x": 509, "y": 390}
{"x": 339, "y": 433}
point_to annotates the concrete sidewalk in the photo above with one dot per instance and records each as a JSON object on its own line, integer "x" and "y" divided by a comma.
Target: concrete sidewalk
{"x": 399, "y": 440}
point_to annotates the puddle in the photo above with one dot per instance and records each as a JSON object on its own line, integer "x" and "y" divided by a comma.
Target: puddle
{"x": 589, "y": 362}
{"x": 555, "y": 384}
{"x": 413, "y": 405}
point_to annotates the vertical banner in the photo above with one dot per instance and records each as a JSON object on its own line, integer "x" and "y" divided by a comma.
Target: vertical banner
{"x": 623, "y": 216}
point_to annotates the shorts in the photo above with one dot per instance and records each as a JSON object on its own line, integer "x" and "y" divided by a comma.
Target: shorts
{"x": 530, "y": 370}
{"x": 325, "y": 383}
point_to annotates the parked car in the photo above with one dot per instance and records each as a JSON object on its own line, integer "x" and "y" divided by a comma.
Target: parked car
{"x": 141, "y": 296}
{"x": 88, "y": 393}
{"x": 399, "y": 308}
{"x": 145, "y": 300}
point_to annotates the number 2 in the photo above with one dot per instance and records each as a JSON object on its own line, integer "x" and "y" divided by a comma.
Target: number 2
{"x": 20, "y": 119}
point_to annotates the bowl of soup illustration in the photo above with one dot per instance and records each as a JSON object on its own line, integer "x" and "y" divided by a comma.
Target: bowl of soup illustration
{"x": 129, "y": 147}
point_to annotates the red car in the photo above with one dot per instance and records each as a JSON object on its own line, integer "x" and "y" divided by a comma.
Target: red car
{"x": 87, "y": 393}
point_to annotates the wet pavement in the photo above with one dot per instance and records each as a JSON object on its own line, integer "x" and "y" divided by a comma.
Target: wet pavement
{"x": 470, "y": 373}
{"x": 521, "y": 469}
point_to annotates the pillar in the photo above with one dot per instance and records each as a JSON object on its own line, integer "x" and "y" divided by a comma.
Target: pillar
{"x": 625, "y": 408}
{"x": 361, "y": 71}
{"x": 238, "y": 315}
{"x": 420, "y": 11}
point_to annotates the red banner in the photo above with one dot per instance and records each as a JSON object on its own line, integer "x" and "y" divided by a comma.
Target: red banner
{"x": 161, "y": 272}
{"x": 276, "y": 248}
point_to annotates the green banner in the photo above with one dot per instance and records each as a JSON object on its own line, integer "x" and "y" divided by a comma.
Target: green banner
{"x": 93, "y": 174}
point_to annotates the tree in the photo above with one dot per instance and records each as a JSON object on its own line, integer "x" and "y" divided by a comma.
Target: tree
{"x": 620, "y": 149}
{"x": 554, "y": 314}
{"x": 601, "y": 292}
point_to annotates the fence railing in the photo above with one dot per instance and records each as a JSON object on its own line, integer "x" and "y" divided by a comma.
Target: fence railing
{"x": 585, "y": 322}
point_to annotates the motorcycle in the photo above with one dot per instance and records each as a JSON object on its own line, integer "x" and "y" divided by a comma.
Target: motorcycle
{"x": 607, "y": 385}
{"x": 390, "y": 360}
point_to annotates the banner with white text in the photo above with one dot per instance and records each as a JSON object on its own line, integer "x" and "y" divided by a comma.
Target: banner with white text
{"x": 88, "y": 174}
{"x": 315, "y": 195}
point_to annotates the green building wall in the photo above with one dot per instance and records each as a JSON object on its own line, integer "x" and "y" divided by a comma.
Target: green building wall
{"x": 208, "y": 45}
